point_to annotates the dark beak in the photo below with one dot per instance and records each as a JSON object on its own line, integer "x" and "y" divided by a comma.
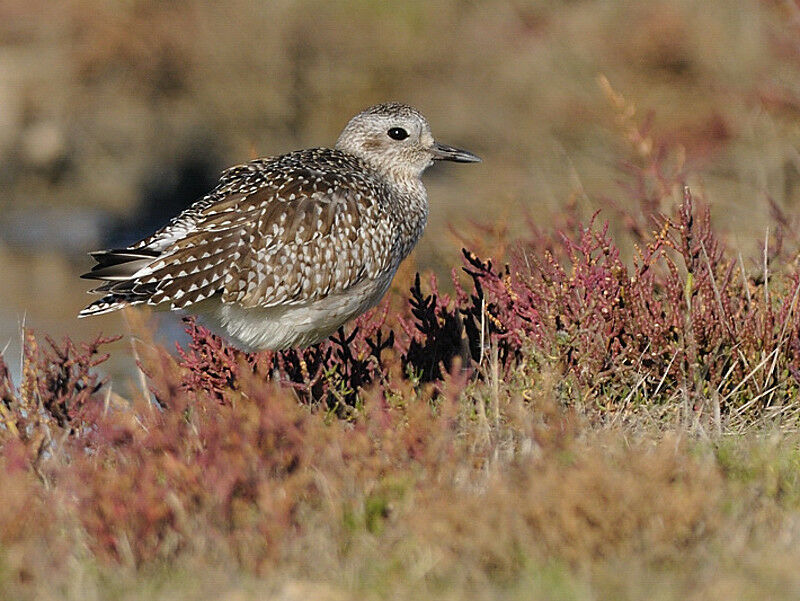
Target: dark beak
{"x": 443, "y": 152}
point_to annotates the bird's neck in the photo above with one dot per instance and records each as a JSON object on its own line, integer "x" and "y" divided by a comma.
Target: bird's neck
{"x": 410, "y": 212}
{"x": 409, "y": 185}
{"x": 409, "y": 204}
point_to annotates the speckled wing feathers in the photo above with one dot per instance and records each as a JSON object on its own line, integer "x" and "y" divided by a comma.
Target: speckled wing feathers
{"x": 282, "y": 231}
{"x": 309, "y": 244}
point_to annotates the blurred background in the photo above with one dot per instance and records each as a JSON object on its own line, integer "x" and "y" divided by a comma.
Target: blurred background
{"x": 114, "y": 115}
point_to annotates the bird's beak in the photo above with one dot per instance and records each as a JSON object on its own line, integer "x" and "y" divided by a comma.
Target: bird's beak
{"x": 443, "y": 152}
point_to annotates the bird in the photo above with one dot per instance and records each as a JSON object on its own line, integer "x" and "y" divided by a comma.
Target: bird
{"x": 286, "y": 249}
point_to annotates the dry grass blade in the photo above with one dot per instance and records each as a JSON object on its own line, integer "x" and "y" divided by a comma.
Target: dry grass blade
{"x": 782, "y": 336}
{"x": 752, "y": 372}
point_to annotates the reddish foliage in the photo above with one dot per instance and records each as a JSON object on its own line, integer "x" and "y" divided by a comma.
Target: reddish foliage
{"x": 226, "y": 447}
{"x": 56, "y": 385}
{"x": 683, "y": 315}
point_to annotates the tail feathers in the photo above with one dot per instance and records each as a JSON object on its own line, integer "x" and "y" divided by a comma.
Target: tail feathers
{"x": 119, "y": 265}
{"x": 120, "y": 255}
{"x": 107, "y": 304}
{"x": 116, "y": 268}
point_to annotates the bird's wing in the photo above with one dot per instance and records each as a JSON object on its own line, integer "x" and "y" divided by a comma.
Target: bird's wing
{"x": 299, "y": 237}
{"x": 311, "y": 242}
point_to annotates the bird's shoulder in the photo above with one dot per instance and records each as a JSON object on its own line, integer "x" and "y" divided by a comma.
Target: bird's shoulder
{"x": 307, "y": 171}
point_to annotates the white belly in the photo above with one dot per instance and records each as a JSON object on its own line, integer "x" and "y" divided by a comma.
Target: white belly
{"x": 287, "y": 326}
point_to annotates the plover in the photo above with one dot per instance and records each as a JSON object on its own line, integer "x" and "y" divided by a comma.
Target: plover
{"x": 285, "y": 250}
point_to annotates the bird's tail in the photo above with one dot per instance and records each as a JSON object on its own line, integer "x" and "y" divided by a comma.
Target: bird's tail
{"x": 117, "y": 269}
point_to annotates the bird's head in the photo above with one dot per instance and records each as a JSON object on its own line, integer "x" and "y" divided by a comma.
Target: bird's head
{"x": 396, "y": 139}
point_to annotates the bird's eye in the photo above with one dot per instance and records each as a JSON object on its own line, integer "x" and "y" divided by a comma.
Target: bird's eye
{"x": 397, "y": 133}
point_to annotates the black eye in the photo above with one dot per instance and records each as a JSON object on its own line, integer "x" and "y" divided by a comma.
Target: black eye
{"x": 397, "y": 133}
